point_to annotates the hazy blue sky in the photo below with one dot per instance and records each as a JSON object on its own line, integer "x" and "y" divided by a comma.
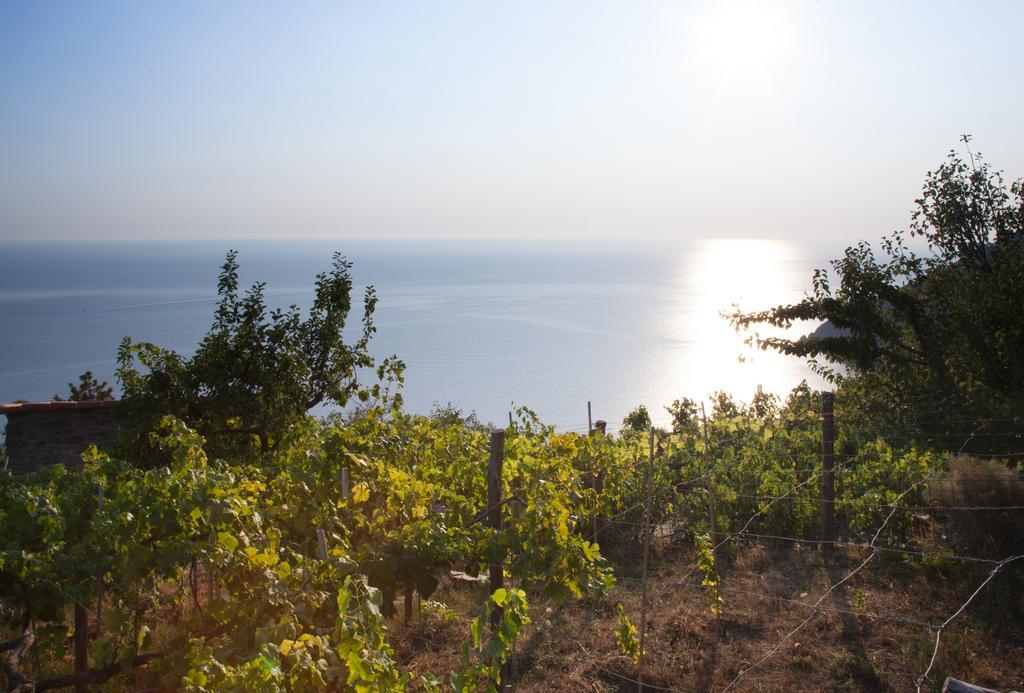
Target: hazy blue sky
{"x": 474, "y": 119}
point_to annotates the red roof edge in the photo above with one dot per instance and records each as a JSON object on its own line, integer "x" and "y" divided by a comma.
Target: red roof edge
{"x": 25, "y": 407}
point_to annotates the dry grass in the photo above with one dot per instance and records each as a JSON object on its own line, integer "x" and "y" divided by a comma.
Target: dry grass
{"x": 571, "y": 647}
{"x": 972, "y": 482}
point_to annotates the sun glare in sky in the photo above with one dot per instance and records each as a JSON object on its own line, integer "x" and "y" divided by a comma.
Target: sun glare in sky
{"x": 531, "y": 120}
{"x": 740, "y": 40}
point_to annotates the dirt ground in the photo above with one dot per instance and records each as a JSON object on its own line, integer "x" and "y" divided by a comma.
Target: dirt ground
{"x": 872, "y": 633}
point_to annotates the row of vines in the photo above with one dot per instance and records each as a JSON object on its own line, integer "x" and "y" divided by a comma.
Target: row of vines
{"x": 291, "y": 582}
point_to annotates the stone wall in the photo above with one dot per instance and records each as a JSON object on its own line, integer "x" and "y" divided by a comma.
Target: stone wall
{"x": 39, "y": 434}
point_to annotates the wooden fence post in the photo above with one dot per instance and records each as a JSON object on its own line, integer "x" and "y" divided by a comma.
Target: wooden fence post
{"x": 828, "y": 491}
{"x": 596, "y": 477}
{"x": 407, "y": 611}
{"x": 81, "y": 635}
{"x": 211, "y": 580}
{"x": 81, "y": 644}
{"x": 344, "y": 482}
{"x": 708, "y": 485}
{"x": 98, "y": 629}
{"x": 494, "y": 466}
{"x": 643, "y": 578}
{"x": 599, "y": 427}
{"x": 321, "y": 540}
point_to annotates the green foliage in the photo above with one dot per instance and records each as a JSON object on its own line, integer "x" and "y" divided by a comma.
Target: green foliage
{"x": 766, "y": 466}
{"x": 706, "y": 566}
{"x": 353, "y": 654}
{"x": 753, "y": 460}
{"x": 934, "y": 338}
{"x": 257, "y": 372}
{"x": 542, "y": 469}
{"x": 878, "y": 480}
{"x": 281, "y": 616}
{"x": 483, "y": 658}
{"x": 626, "y": 635}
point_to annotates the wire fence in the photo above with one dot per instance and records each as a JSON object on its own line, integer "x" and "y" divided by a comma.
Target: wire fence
{"x": 902, "y": 498}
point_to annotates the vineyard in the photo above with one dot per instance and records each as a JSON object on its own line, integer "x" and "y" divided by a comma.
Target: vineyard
{"x": 388, "y": 551}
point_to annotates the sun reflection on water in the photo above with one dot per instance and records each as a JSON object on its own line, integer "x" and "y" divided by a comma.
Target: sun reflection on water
{"x": 720, "y": 273}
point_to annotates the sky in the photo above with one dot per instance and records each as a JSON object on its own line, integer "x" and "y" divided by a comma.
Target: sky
{"x": 803, "y": 120}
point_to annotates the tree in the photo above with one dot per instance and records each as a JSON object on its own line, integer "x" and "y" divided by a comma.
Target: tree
{"x": 723, "y": 406}
{"x": 257, "y": 371}
{"x": 684, "y": 415}
{"x": 764, "y": 405}
{"x": 936, "y": 337}
{"x": 89, "y": 389}
{"x": 637, "y": 420}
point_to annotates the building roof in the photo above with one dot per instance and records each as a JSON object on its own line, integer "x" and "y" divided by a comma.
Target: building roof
{"x": 25, "y": 407}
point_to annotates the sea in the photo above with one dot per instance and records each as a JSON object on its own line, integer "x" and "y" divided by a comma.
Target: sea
{"x": 482, "y": 326}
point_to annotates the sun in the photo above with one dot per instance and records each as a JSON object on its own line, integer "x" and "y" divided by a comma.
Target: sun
{"x": 743, "y": 38}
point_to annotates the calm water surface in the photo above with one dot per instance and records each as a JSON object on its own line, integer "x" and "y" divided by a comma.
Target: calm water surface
{"x": 478, "y": 326}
